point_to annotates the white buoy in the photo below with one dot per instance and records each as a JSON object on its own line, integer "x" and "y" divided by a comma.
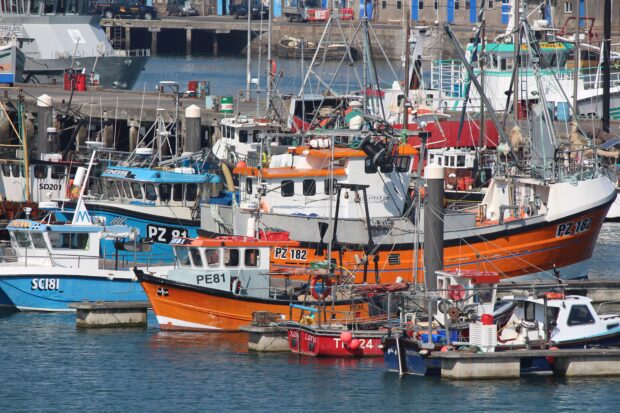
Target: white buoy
{"x": 80, "y": 174}
{"x": 251, "y": 227}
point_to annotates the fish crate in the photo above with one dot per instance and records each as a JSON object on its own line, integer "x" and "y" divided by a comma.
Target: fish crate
{"x": 264, "y": 318}
{"x": 483, "y": 336}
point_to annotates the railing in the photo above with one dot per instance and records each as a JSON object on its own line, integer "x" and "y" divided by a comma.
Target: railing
{"x": 447, "y": 76}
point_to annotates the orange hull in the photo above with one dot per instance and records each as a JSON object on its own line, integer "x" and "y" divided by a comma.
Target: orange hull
{"x": 188, "y": 308}
{"x": 535, "y": 249}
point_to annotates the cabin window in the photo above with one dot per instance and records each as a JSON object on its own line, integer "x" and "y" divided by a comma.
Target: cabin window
{"x": 248, "y": 186}
{"x": 288, "y": 188}
{"x": 231, "y": 257}
{"x": 164, "y": 192}
{"x": 580, "y": 315}
{"x": 251, "y": 257}
{"x": 177, "y": 193}
{"x": 196, "y": 258}
{"x": 213, "y": 257}
{"x": 243, "y": 136}
{"x": 22, "y": 239}
{"x": 37, "y": 240}
{"x": 114, "y": 189}
{"x": 329, "y": 186}
{"x": 460, "y": 161}
{"x": 403, "y": 163}
{"x": 16, "y": 170}
{"x": 191, "y": 192}
{"x": 127, "y": 189}
{"x": 150, "y": 193}
{"x": 58, "y": 172}
{"x": 256, "y": 136}
{"x": 119, "y": 185}
{"x": 69, "y": 240}
{"x": 6, "y": 170}
{"x": 440, "y": 160}
{"x": 369, "y": 167}
{"x": 309, "y": 187}
{"x": 529, "y": 311}
{"x": 40, "y": 171}
{"x": 136, "y": 188}
{"x": 387, "y": 168}
{"x": 183, "y": 256}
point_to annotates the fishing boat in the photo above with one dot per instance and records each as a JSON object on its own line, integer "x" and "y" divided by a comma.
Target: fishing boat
{"x": 331, "y": 341}
{"x": 160, "y": 203}
{"x": 571, "y": 322}
{"x": 294, "y": 47}
{"x": 218, "y": 283}
{"x": 49, "y": 265}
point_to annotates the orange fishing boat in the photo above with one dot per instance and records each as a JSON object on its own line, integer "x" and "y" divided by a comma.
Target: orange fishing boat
{"x": 220, "y": 282}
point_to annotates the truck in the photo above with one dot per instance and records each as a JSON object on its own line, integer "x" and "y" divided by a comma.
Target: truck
{"x": 311, "y": 10}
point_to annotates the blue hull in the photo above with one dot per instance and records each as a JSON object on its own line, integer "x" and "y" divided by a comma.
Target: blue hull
{"x": 47, "y": 293}
{"x": 150, "y": 226}
{"x": 411, "y": 362}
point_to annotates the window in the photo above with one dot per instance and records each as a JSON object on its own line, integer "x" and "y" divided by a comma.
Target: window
{"x": 151, "y": 195}
{"x": 490, "y": 4}
{"x": 436, "y": 4}
{"x": 177, "y": 194}
{"x": 420, "y": 5}
{"x": 457, "y": 5}
{"x": 16, "y": 170}
{"x": 288, "y": 188}
{"x": 22, "y": 239}
{"x": 136, "y": 188}
{"x": 58, "y": 172}
{"x": 399, "y": 4}
{"x": 164, "y": 192}
{"x": 196, "y": 258}
{"x": 127, "y": 189}
{"x": 191, "y": 192}
{"x": 213, "y": 257}
{"x": 243, "y": 136}
{"x": 68, "y": 240}
{"x": 256, "y": 136}
{"x": 467, "y": 4}
{"x": 40, "y": 171}
{"x": 580, "y": 315}
{"x": 37, "y": 240}
{"x": 329, "y": 185}
{"x": 183, "y": 256}
{"x": 248, "y": 186}
{"x": 369, "y": 167}
{"x": 6, "y": 170}
{"x": 114, "y": 189}
{"x": 460, "y": 160}
{"x": 231, "y": 257}
{"x": 568, "y": 7}
{"x": 251, "y": 258}
{"x": 529, "y": 311}
{"x": 403, "y": 163}
{"x": 309, "y": 187}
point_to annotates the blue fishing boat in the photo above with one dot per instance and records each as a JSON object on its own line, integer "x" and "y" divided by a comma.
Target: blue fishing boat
{"x": 49, "y": 265}
{"x": 162, "y": 204}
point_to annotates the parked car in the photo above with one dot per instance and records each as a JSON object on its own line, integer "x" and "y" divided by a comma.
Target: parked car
{"x": 181, "y": 8}
{"x": 239, "y": 8}
{"x": 110, "y": 9}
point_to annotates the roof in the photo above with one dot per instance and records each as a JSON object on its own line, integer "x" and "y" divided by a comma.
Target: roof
{"x": 230, "y": 241}
{"x": 340, "y": 152}
{"x": 510, "y": 47}
{"x": 35, "y": 226}
{"x": 158, "y": 175}
{"x": 288, "y": 172}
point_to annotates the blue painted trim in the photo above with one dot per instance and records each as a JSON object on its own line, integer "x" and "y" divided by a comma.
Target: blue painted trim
{"x": 415, "y": 8}
{"x": 473, "y": 11}
{"x": 450, "y": 11}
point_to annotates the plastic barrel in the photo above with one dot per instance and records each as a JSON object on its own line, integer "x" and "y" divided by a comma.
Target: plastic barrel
{"x": 227, "y": 104}
{"x": 563, "y": 112}
{"x": 192, "y": 85}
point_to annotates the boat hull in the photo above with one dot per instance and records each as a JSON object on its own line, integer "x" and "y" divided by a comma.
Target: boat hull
{"x": 311, "y": 341}
{"x": 185, "y": 307}
{"x": 40, "y": 291}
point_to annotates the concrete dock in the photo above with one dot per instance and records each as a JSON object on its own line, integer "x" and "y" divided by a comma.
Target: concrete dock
{"x": 111, "y": 314}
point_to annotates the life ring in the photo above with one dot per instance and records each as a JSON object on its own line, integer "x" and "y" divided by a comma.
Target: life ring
{"x": 320, "y": 287}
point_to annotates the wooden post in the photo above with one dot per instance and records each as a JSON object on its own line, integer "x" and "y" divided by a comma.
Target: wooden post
{"x": 127, "y": 37}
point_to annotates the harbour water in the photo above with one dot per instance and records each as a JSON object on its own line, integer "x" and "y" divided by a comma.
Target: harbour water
{"x": 49, "y": 365}
{"x": 228, "y": 74}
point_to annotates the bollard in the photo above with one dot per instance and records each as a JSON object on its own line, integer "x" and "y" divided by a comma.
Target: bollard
{"x": 192, "y": 129}
{"x": 433, "y": 225}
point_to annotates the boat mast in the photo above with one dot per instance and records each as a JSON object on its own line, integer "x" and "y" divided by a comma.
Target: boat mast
{"x": 576, "y": 57}
{"x": 269, "y": 59}
{"x": 248, "y": 50}
{"x": 407, "y": 51}
{"x": 606, "y": 63}
{"x": 516, "y": 41}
